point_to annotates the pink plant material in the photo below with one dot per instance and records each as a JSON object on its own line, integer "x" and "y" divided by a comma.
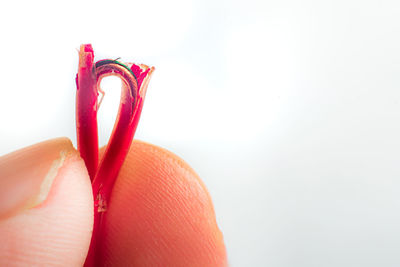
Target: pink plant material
{"x": 103, "y": 173}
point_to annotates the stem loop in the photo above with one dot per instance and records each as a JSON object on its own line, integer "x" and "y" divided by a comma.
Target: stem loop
{"x": 135, "y": 80}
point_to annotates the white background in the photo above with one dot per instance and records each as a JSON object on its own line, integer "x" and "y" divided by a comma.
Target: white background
{"x": 289, "y": 110}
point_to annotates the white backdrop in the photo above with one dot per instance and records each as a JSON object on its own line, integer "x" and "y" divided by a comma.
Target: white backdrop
{"x": 289, "y": 110}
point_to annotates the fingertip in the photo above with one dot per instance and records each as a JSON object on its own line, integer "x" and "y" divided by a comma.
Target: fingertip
{"x": 58, "y": 230}
{"x": 160, "y": 214}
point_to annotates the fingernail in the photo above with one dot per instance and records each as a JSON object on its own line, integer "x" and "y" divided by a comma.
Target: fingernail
{"x": 27, "y": 175}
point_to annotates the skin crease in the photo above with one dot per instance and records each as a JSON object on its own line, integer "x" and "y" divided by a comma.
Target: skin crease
{"x": 160, "y": 214}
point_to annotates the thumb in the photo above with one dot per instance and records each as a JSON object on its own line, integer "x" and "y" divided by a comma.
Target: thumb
{"x": 46, "y": 206}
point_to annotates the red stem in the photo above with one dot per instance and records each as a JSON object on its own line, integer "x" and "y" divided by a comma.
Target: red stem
{"x": 135, "y": 80}
{"x": 86, "y": 109}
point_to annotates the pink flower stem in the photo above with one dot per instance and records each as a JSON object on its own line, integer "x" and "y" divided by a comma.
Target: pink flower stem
{"x": 135, "y": 79}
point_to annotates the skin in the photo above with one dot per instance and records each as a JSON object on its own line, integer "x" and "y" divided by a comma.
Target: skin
{"x": 159, "y": 214}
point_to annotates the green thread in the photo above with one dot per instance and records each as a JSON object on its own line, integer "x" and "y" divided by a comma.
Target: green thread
{"x": 112, "y": 61}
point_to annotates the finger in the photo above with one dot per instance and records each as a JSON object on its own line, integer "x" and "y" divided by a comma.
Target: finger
{"x": 46, "y": 206}
{"x": 160, "y": 214}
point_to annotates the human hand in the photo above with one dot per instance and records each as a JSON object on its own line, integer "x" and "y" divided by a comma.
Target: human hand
{"x": 159, "y": 214}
